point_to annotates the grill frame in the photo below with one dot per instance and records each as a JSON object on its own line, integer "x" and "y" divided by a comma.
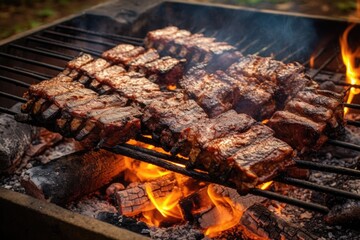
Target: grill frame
{"x": 134, "y": 11}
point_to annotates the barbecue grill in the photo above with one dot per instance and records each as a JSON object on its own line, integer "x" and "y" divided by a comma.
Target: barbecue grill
{"x": 41, "y": 54}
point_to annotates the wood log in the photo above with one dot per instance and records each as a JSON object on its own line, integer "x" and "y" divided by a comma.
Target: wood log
{"x": 259, "y": 222}
{"x": 196, "y": 204}
{"x": 199, "y": 208}
{"x": 73, "y": 176}
{"x": 15, "y": 139}
{"x": 134, "y": 199}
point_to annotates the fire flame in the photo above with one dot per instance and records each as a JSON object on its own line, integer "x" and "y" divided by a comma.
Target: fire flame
{"x": 167, "y": 209}
{"x": 229, "y": 213}
{"x": 349, "y": 57}
{"x": 312, "y": 61}
{"x": 167, "y": 206}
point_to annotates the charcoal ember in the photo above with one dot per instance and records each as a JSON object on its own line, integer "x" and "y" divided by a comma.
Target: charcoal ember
{"x": 259, "y": 222}
{"x": 344, "y": 211}
{"x": 124, "y": 222}
{"x": 73, "y": 176}
{"x": 347, "y": 214}
{"x": 182, "y": 232}
{"x": 134, "y": 199}
{"x": 15, "y": 139}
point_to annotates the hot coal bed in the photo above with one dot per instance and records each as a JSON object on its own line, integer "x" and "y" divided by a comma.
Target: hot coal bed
{"x": 309, "y": 212}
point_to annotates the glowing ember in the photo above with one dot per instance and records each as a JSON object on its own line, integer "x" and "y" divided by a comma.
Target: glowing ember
{"x": 265, "y": 121}
{"x": 171, "y": 87}
{"x": 264, "y": 186}
{"x": 229, "y": 213}
{"x": 349, "y": 57}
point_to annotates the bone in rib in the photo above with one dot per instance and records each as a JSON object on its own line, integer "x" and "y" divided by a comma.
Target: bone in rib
{"x": 109, "y": 119}
{"x": 242, "y": 150}
{"x": 255, "y": 85}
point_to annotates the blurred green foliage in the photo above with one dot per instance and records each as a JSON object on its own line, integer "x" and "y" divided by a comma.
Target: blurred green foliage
{"x": 20, "y": 15}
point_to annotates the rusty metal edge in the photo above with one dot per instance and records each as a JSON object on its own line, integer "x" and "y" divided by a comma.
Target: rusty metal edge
{"x": 268, "y": 11}
{"x": 25, "y": 217}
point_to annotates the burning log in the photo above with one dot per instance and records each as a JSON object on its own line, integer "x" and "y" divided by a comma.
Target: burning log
{"x": 135, "y": 198}
{"x": 259, "y": 222}
{"x": 199, "y": 206}
{"x": 72, "y": 176}
{"x": 15, "y": 139}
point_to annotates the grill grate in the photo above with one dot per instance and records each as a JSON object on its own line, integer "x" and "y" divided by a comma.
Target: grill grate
{"x": 43, "y": 54}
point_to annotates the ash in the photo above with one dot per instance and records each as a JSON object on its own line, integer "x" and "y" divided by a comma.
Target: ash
{"x": 181, "y": 232}
{"x": 315, "y": 222}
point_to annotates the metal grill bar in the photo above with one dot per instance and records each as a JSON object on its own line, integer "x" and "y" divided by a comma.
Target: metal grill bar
{"x": 265, "y": 48}
{"x": 316, "y": 187}
{"x": 8, "y": 95}
{"x": 344, "y": 144}
{"x": 292, "y": 54}
{"x": 292, "y": 201}
{"x": 318, "y": 54}
{"x": 352, "y": 105}
{"x": 32, "y": 61}
{"x": 128, "y": 39}
{"x": 327, "y": 168}
{"x": 63, "y": 45}
{"x": 46, "y": 53}
{"x": 14, "y": 81}
{"x": 353, "y": 123}
{"x": 7, "y": 111}
{"x": 123, "y": 150}
{"x": 25, "y": 73}
{"x": 329, "y": 60}
{"x": 79, "y": 38}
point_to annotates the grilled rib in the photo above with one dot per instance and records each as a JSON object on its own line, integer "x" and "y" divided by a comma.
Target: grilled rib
{"x": 194, "y": 47}
{"x": 68, "y": 107}
{"x": 254, "y": 85}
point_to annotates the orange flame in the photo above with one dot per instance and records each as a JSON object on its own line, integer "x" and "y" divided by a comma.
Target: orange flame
{"x": 141, "y": 171}
{"x": 312, "y": 61}
{"x": 171, "y": 87}
{"x": 228, "y": 212}
{"x": 349, "y": 57}
{"x": 167, "y": 209}
{"x": 167, "y": 206}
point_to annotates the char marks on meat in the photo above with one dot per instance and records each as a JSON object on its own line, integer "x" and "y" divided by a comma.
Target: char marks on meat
{"x": 195, "y": 48}
{"x": 107, "y": 101}
{"x": 298, "y": 131}
{"x": 166, "y": 118}
{"x": 213, "y": 94}
{"x": 123, "y": 53}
